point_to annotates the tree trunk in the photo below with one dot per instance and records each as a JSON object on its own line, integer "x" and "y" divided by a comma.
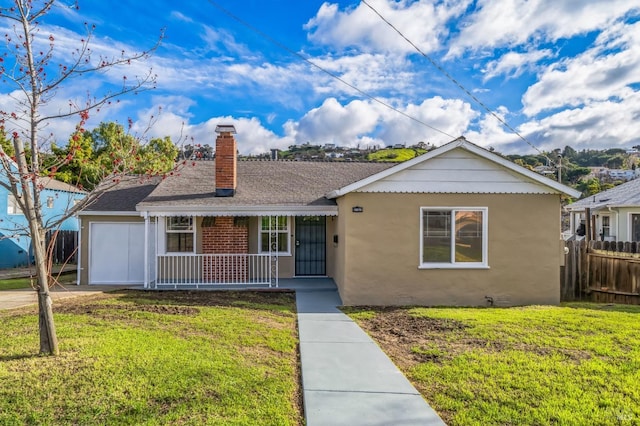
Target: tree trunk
{"x": 48, "y": 337}
{"x": 46, "y": 325}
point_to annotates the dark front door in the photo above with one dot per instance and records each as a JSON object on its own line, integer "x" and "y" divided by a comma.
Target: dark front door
{"x": 311, "y": 247}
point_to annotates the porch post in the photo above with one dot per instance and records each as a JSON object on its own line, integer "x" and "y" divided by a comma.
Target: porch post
{"x": 273, "y": 252}
{"x": 146, "y": 249}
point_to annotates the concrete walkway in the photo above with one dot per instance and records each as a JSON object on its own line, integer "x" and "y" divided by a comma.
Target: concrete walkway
{"x": 347, "y": 379}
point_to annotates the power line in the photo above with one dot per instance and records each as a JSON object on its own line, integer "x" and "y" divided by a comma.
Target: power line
{"x": 331, "y": 74}
{"x": 446, "y": 74}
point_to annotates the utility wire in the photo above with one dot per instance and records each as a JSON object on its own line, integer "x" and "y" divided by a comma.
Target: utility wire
{"x": 331, "y": 74}
{"x": 446, "y": 74}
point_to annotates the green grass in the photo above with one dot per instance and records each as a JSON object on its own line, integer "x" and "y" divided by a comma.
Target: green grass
{"x": 15, "y": 283}
{"x": 19, "y": 283}
{"x": 395, "y": 154}
{"x": 577, "y": 364}
{"x": 143, "y": 358}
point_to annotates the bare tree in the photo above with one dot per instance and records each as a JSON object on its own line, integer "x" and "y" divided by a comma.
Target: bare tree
{"x": 35, "y": 77}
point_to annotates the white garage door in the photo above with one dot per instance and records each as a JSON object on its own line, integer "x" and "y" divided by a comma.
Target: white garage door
{"x": 116, "y": 253}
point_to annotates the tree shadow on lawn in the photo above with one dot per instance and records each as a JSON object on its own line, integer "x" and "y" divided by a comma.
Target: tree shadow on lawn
{"x": 16, "y": 357}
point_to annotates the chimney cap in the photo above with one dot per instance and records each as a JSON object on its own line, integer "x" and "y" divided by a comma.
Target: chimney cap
{"x": 225, "y": 128}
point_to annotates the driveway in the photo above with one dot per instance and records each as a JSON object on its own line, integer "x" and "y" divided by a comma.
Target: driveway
{"x": 10, "y": 299}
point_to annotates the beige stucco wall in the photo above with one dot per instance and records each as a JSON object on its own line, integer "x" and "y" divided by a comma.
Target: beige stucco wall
{"x": 84, "y": 238}
{"x": 378, "y": 252}
{"x": 332, "y": 248}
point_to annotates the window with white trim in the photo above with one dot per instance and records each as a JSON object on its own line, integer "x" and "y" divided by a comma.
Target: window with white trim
{"x": 454, "y": 237}
{"x": 180, "y": 234}
{"x": 274, "y": 229}
{"x": 606, "y": 227}
{"x": 12, "y": 205}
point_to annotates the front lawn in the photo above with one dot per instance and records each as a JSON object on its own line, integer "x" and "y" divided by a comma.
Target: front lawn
{"x": 573, "y": 365}
{"x": 132, "y": 357}
{"x": 19, "y": 283}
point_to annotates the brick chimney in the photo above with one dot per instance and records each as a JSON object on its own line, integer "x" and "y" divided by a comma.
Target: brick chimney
{"x": 226, "y": 161}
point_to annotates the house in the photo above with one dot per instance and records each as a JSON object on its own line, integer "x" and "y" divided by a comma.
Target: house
{"x": 456, "y": 226}
{"x": 56, "y": 197}
{"x": 613, "y": 215}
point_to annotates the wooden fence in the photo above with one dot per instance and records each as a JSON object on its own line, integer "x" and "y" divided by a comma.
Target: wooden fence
{"x": 601, "y": 271}
{"x": 65, "y": 246}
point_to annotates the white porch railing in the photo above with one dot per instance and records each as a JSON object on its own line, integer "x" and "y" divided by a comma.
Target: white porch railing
{"x": 215, "y": 269}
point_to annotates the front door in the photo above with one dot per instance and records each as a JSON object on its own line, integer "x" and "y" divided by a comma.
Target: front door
{"x": 311, "y": 247}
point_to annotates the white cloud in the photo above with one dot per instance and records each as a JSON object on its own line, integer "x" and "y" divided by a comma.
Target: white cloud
{"x": 595, "y": 126}
{"x": 335, "y": 123}
{"x": 423, "y": 22}
{"x": 602, "y": 72}
{"x": 452, "y": 116}
{"x": 600, "y": 124}
{"x": 174, "y": 121}
{"x": 514, "y": 64}
{"x": 367, "y": 122}
{"x": 519, "y": 22}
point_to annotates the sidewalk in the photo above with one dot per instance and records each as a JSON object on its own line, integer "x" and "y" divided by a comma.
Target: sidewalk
{"x": 347, "y": 379}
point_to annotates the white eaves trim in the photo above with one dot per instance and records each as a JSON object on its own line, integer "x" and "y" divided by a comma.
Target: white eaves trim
{"x": 107, "y": 213}
{"x": 241, "y": 211}
{"x": 464, "y": 144}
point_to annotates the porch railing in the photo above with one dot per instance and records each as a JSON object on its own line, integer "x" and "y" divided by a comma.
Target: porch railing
{"x": 215, "y": 269}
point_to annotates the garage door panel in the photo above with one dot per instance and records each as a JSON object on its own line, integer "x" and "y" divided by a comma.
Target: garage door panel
{"x": 116, "y": 253}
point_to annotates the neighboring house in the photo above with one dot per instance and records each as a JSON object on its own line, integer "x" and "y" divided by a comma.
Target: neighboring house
{"x": 56, "y": 197}
{"x": 456, "y": 226}
{"x": 614, "y": 214}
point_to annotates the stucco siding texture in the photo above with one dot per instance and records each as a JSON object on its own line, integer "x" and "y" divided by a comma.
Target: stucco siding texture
{"x": 379, "y": 253}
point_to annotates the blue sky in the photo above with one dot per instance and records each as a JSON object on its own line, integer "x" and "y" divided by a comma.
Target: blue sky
{"x": 561, "y": 72}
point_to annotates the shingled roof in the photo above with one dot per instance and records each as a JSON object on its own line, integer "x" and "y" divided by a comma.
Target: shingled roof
{"x": 624, "y": 195}
{"x": 260, "y": 183}
{"x": 125, "y": 195}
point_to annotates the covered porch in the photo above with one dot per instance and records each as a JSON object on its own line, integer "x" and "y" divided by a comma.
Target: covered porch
{"x": 241, "y": 250}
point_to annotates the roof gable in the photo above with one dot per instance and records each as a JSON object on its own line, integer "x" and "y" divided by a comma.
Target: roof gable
{"x": 458, "y": 167}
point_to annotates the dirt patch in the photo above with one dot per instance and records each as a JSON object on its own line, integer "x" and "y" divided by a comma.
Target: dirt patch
{"x": 96, "y": 308}
{"x": 172, "y": 302}
{"x": 211, "y": 298}
{"x": 410, "y": 340}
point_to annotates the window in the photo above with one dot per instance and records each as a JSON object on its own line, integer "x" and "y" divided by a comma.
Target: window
{"x": 12, "y": 205}
{"x": 49, "y": 202}
{"x": 453, "y": 237}
{"x": 278, "y": 227}
{"x": 635, "y": 227}
{"x": 606, "y": 227}
{"x": 180, "y": 233}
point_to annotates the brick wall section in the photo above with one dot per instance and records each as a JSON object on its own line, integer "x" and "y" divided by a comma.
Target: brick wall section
{"x": 226, "y": 161}
{"x": 225, "y": 238}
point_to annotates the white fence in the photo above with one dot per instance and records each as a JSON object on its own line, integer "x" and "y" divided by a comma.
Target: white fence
{"x": 216, "y": 269}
